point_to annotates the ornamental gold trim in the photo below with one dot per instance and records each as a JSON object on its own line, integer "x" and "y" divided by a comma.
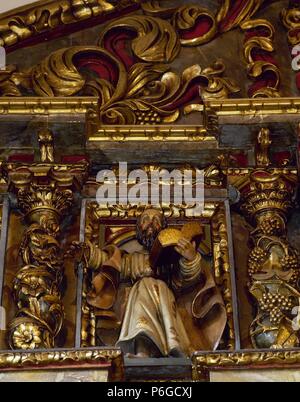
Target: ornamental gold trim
{"x": 258, "y": 67}
{"x": 252, "y": 107}
{"x": 206, "y": 133}
{"x": 153, "y": 133}
{"x": 55, "y": 359}
{"x": 46, "y": 106}
{"x": 44, "y": 16}
{"x": 203, "y": 363}
{"x": 222, "y": 107}
{"x": 222, "y": 267}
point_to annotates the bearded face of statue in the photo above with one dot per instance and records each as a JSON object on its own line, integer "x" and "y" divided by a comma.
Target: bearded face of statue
{"x": 150, "y": 223}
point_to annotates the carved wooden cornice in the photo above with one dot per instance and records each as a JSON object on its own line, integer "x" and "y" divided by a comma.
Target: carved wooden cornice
{"x": 45, "y": 16}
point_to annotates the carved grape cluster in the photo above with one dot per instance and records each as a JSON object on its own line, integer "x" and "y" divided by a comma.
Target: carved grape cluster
{"x": 255, "y": 260}
{"x": 275, "y": 305}
{"x": 148, "y": 117}
{"x": 271, "y": 226}
{"x": 291, "y": 263}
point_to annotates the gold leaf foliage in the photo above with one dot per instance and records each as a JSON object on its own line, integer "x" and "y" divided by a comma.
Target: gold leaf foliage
{"x": 291, "y": 20}
{"x": 140, "y": 90}
{"x": 45, "y": 16}
{"x": 156, "y": 39}
{"x": 249, "y": 8}
{"x": 257, "y": 68}
{"x": 148, "y": 93}
{"x": 185, "y": 18}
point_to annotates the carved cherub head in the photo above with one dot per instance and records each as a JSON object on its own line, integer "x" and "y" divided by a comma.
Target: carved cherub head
{"x": 149, "y": 224}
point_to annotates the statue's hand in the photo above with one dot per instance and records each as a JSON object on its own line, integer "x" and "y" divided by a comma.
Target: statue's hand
{"x": 186, "y": 249}
{"x": 78, "y": 251}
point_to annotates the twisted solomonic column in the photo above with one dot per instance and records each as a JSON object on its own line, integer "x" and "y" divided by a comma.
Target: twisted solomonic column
{"x": 45, "y": 196}
{"x": 273, "y": 264}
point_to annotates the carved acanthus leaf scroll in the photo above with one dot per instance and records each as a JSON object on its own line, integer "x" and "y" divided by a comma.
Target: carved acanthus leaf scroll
{"x": 261, "y": 65}
{"x": 291, "y": 20}
{"x": 40, "y": 18}
{"x": 197, "y": 25}
{"x": 128, "y": 72}
{"x": 154, "y": 40}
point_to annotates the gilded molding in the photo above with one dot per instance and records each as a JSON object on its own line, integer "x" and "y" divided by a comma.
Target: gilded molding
{"x": 204, "y": 363}
{"x": 44, "y": 16}
{"x": 167, "y": 133}
{"x": 82, "y": 105}
{"x": 92, "y": 358}
{"x": 46, "y": 106}
{"x": 222, "y": 267}
{"x": 253, "y": 107}
{"x": 78, "y": 105}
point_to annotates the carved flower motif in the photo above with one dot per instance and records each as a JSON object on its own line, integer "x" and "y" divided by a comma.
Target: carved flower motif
{"x": 27, "y": 336}
{"x": 33, "y": 286}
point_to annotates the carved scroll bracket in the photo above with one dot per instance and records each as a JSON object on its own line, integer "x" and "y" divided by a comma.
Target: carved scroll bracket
{"x": 45, "y": 194}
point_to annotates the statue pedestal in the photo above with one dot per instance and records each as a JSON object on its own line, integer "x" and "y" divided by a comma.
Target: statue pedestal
{"x": 162, "y": 369}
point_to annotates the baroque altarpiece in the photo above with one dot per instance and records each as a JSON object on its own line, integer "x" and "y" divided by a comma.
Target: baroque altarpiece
{"x": 159, "y": 84}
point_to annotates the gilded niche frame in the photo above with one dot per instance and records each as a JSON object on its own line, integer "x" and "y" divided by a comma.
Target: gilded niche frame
{"x": 216, "y": 214}
{"x": 233, "y": 110}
